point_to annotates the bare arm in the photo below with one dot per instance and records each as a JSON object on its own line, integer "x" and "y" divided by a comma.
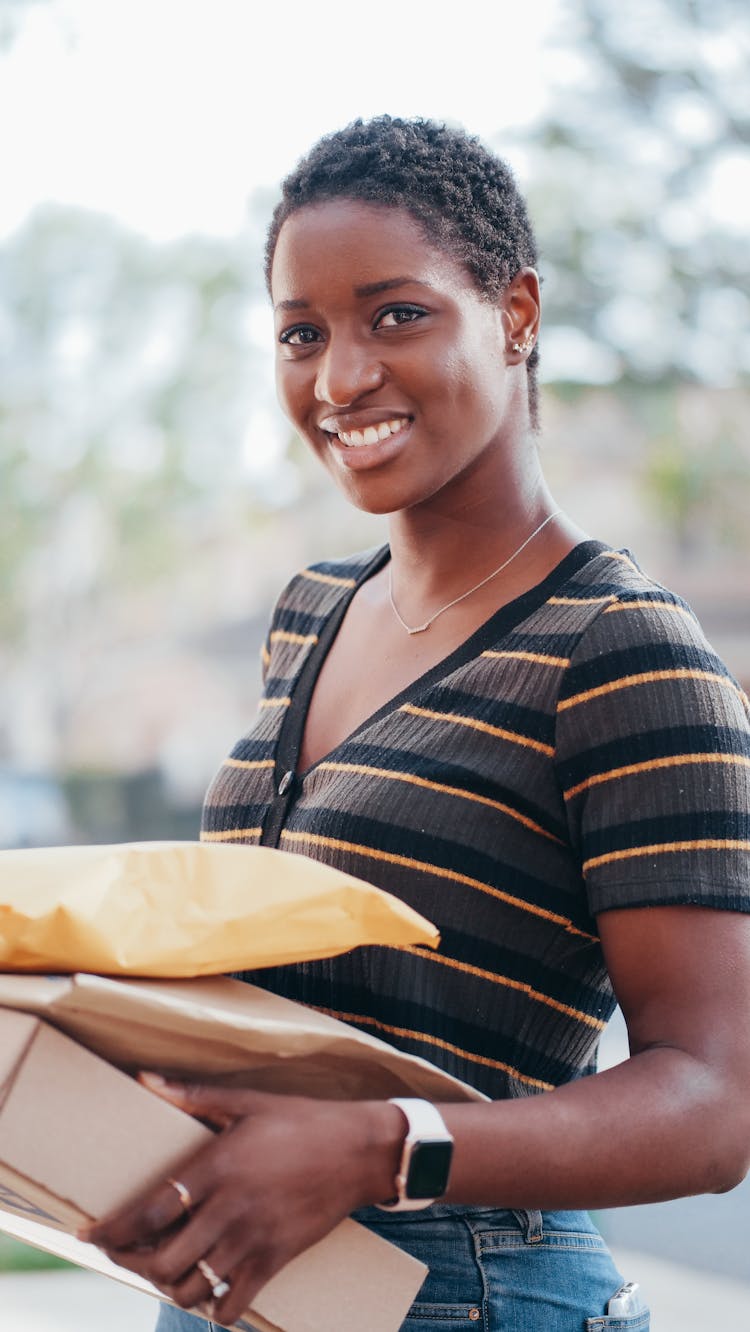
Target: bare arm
{"x": 673, "y": 1119}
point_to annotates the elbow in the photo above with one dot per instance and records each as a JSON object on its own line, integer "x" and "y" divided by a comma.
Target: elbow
{"x": 730, "y": 1160}
{"x": 720, "y": 1137}
{"x": 733, "y": 1171}
{"x": 719, "y": 1163}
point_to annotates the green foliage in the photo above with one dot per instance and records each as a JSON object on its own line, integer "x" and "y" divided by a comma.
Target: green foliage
{"x": 639, "y": 177}
{"x": 18, "y": 1257}
{"x": 126, "y": 381}
{"x": 700, "y": 491}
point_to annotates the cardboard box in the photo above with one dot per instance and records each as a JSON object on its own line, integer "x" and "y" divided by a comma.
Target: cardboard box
{"x": 79, "y": 1138}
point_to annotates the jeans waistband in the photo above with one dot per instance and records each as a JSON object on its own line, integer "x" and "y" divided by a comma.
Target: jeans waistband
{"x": 530, "y": 1223}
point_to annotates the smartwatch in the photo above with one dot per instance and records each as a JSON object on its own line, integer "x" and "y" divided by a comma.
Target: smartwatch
{"x": 425, "y": 1158}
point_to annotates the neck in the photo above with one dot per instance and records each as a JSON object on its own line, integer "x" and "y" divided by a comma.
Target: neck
{"x": 437, "y": 552}
{"x": 527, "y": 555}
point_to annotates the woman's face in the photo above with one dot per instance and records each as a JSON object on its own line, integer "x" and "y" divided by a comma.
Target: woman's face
{"x": 388, "y": 361}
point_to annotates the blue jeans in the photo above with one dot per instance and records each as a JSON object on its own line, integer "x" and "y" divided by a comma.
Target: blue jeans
{"x": 494, "y": 1271}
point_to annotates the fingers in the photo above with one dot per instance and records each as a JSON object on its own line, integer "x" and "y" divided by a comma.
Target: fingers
{"x": 212, "y": 1227}
{"x": 243, "y": 1280}
{"x": 193, "y": 1266}
{"x": 221, "y": 1106}
{"x": 213, "y": 1281}
{"x": 158, "y": 1214}
{"x": 148, "y": 1219}
{"x": 166, "y": 1255}
{"x": 258, "y": 1193}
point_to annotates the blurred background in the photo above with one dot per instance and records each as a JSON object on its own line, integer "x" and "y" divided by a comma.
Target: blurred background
{"x": 152, "y": 499}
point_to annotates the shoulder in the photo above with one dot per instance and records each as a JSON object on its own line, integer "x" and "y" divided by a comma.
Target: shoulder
{"x": 634, "y": 626}
{"x": 344, "y": 572}
{"x": 653, "y": 755}
{"x": 318, "y": 588}
{"x": 612, "y": 580}
{"x": 309, "y": 599}
{"x": 642, "y": 651}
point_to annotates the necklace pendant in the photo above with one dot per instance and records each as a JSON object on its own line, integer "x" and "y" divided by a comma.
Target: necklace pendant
{"x": 420, "y": 628}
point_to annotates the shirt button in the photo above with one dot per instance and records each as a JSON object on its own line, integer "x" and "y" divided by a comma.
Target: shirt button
{"x": 285, "y": 783}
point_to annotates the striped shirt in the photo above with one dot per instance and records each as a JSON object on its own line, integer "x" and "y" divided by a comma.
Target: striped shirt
{"x": 583, "y": 750}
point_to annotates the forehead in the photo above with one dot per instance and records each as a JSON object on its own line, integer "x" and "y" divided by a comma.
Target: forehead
{"x": 345, "y": 241}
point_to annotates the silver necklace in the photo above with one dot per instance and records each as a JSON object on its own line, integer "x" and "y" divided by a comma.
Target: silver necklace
{"x": 420, "y": 628}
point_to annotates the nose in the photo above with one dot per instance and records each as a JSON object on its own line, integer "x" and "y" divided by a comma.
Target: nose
{"x": 347, "y": 370}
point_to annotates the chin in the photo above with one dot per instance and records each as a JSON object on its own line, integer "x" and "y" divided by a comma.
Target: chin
{"x": 386, "y": 494}
{"x": 372, "y": 498}
{"x": 369, "y": 504}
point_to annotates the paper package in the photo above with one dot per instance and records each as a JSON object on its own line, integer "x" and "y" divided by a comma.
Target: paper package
{"x": 229, "y": 1032}
{"x": 78, "y": 1139}
{"x": 206, "y": 1028}
{"x": 73, "y": 1121}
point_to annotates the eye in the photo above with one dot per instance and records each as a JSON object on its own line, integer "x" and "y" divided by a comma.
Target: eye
{"x": 396, "y": 315}
{"x": 302, "y": 335}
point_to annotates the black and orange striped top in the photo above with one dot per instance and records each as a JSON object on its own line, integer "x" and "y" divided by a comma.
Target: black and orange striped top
{"x": 585, "y": 749}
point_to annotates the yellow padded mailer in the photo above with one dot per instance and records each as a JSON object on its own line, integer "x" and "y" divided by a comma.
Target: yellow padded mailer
{"x": 186, "y": 909}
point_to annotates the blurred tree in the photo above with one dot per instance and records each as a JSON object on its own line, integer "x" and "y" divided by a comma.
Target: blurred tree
{"x": 640, "y": 180}
{"x": 126, "y": 382}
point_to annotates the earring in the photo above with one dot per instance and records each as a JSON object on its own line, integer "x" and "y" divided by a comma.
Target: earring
{"x": 524, "y": 346}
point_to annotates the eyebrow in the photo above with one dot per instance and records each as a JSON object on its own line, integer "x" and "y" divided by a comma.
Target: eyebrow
{"x": 372, "y": 288}
{"x": 369, "y": 289}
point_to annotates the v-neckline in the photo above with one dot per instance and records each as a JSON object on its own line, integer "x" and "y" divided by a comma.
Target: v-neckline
{"x": 499, "y": 622}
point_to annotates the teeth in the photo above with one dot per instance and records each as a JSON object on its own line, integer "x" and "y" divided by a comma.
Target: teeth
{"x": 372, "y": 434}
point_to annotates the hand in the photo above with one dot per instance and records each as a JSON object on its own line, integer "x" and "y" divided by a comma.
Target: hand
{"x": 279, "y": 1176}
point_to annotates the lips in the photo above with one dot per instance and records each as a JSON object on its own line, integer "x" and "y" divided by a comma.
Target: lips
{"x": 357, "y": 433}
{"x": 365, "y": 447}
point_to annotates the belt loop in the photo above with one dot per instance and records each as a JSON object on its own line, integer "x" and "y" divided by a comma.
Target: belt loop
{"x": 531, "y": 1225}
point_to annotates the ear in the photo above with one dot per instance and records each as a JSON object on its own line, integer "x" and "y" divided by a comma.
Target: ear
{"x": 521, "y": 313}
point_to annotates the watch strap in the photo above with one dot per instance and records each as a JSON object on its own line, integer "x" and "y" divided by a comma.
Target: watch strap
{"x": 425, "y": 1124}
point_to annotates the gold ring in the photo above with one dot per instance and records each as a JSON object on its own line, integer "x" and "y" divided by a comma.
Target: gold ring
{"x": 219, "y": 1287}
{"x": 184, "y": 1195}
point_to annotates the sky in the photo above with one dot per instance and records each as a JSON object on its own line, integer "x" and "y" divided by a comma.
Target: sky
{"x": 168, "y": 113}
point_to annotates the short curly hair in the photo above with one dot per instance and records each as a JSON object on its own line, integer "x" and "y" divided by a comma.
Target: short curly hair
{"x": 465, "y": 198}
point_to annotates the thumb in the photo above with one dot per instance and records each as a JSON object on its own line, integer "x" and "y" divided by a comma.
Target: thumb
{"x": 220, "y": 1106}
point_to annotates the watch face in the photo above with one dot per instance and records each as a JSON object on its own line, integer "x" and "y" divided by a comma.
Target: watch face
{"x": 429, "y": 1168}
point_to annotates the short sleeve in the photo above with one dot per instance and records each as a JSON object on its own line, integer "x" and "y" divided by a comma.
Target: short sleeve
{"x": 653, "y": 757}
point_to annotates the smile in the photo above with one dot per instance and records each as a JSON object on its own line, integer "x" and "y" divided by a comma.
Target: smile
{"x": 371, "y": 434}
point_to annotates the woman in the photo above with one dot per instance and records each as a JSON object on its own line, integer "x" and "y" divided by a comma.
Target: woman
{"x": 512, "y": 727}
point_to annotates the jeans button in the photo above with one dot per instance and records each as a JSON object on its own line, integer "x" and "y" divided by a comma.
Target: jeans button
{"x": 474, "y": 1315}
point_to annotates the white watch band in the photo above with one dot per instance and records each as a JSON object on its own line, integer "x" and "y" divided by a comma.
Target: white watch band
{"x": 424, "y": 1124}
